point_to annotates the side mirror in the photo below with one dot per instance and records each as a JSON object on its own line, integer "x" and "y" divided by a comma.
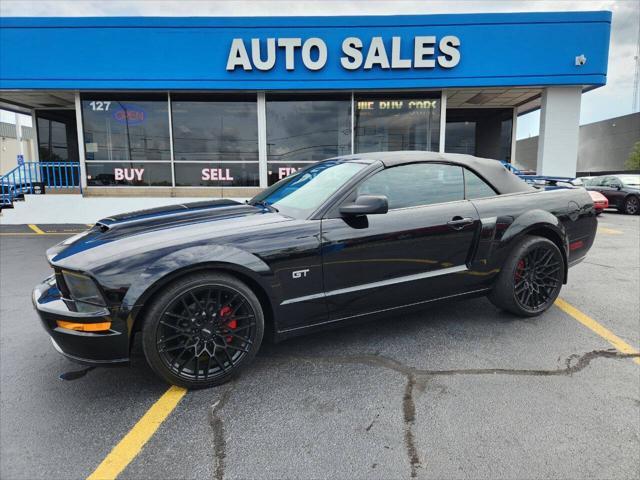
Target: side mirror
{"x": 618, "y": 186}
{"x": 366, "y": 205}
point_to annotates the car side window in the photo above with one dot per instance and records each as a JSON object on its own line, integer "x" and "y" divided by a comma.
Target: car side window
{"x": 416, "y": 184}
{"x": 607, "y": 181}
{"x": 475, "y": 187}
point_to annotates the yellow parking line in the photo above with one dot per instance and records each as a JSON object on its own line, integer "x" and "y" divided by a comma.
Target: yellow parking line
{"x": 10, "y": 234}
{"x": 36, "y": 229}
{"x": 597, "y": 328}
{"x": 131, "y": 444}
{"x": 609, "y": 231}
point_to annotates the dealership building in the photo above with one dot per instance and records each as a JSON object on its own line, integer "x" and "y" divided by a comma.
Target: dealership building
{"x": 187, "y": 107}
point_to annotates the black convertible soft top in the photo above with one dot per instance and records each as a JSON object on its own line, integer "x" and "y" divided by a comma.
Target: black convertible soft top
{"x": 491, "y": 170}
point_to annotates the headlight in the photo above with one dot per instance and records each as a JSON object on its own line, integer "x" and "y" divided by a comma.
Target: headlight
{"x": 82, "y": 288}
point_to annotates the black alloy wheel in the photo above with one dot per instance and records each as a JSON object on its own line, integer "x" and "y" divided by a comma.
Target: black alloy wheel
{"x": 531, "y": 278}
{"x": 537, "y": 278}
{"x": 632, "y": 205}
{"x": 203, "y": 330}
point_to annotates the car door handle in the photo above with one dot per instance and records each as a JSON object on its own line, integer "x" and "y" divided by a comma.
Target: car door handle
{"x": 458, "y": 223}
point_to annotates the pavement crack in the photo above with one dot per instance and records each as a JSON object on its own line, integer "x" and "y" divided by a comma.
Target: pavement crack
{"x": 409, "y": 415}
{"x": 372, "y": 422}
{"x": 574, "y": 363}
{"x": 217, "y": 426}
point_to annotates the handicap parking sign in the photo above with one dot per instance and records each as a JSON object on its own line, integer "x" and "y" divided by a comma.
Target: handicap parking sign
{"x": 20, "y": 159}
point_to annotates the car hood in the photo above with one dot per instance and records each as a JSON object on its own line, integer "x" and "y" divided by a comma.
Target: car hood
{"x": 162, "y": 229}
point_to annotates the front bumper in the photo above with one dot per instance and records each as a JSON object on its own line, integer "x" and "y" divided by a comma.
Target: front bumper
{"x": 89, "y": 348}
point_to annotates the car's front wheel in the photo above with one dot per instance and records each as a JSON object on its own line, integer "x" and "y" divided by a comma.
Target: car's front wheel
{"x": 202, "y": 329}
{"x": 632, "y": 205}
{"x": 530, "y": 279}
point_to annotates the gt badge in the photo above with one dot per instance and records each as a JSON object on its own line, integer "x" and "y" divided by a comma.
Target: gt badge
{"x": 300, "y": 273}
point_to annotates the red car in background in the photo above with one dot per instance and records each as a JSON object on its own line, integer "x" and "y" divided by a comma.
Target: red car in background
{"x": 600, "y": 202}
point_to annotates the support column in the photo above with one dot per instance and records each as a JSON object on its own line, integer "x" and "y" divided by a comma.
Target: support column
{"x": 559, "y": 131}
{"x": 443, "y": 121}
{"x": 81, "y": 152}
{"x": 263, "y": 167}
{"x": 35, "y": 146}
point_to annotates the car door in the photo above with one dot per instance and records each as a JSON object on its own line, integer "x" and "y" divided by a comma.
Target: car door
{"x": 605, "y": 188}
{"x": 413, "y": 253}
{"x": 615, "y": 194}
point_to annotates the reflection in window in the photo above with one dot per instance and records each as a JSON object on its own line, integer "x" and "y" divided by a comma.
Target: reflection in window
{"x": 126, "y": 127}
{"x": 416, "y": 184}
{"x": 305, "y": 129}
{"x": 304, "y": 192}
{"x": 52, "y": 141}
{"x": 475, "y": 187}
{"x": 460, "y": 138}
{"x": 389, "y": 123}
{"x": 211, "y": 128}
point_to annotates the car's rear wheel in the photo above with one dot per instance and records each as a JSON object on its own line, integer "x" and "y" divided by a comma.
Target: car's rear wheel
{"x": 632, "y": 205}
{"x": 530, "y": 279}
{"x": 202, "y": 330}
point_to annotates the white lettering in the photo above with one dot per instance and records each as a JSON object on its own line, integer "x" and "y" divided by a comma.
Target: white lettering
{"x": 318, "y": 44}
{"x": 377, "y": 55}
{"x": 285, "y": 171}
{"x": 289, "y": 45}
{"x": 128, "y": 174}
{"x": 449, "y": 47}
{"x": 270, "y": 62}
{"x": 396, "y": 61}
{"x": 351, "y": 48}
{"x": 423, "y": 46}
{"x": 217, "y": 174}
{"x": 238, "y": 56}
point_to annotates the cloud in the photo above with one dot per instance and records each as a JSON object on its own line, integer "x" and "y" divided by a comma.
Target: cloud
{"x": 612, "y": 100}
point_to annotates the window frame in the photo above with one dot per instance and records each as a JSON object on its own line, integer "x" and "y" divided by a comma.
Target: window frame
{"x": 351, "y": 195}
{"x": 464, "y": 180}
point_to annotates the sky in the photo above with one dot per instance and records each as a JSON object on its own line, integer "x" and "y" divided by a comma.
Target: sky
{"x": 612, "y": 100}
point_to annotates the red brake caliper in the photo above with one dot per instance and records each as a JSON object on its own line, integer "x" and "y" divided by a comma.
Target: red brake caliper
{"x": 519, "y": 270}
{"x": 232, "y": 324}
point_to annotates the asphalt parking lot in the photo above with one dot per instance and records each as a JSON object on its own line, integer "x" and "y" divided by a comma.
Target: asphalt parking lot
{"x": 458, "y": 391}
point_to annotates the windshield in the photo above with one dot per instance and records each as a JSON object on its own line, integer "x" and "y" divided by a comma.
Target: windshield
{"x": 630, "y": 180}
{"x": 302, "y": 193}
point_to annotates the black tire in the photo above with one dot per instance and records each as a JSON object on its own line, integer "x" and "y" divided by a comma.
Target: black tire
{"x": 632, "y": 205}
{"x": 530, "y": 279}
{"x": 224, "y": 328}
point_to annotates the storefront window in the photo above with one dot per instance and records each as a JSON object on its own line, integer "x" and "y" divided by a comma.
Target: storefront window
{"x": 484, "y": 132}
{"x": 397, "y": 122}
{"x": 460, "y": 138}
{"x": 215, "y": 140}
{"x": 305, "y": 129}
{"x": 131, "y": 127}
{"x": 126, "y": 140}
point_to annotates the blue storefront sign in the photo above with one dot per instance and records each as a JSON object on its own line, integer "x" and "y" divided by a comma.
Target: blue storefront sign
{"x": 285, "y": 53}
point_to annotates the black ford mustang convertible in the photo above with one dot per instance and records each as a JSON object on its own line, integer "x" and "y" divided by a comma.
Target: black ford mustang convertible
{"x": 345, "y": 239}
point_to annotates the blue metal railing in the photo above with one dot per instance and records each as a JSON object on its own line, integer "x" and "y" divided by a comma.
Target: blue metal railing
{"x": 32, "y": 177}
